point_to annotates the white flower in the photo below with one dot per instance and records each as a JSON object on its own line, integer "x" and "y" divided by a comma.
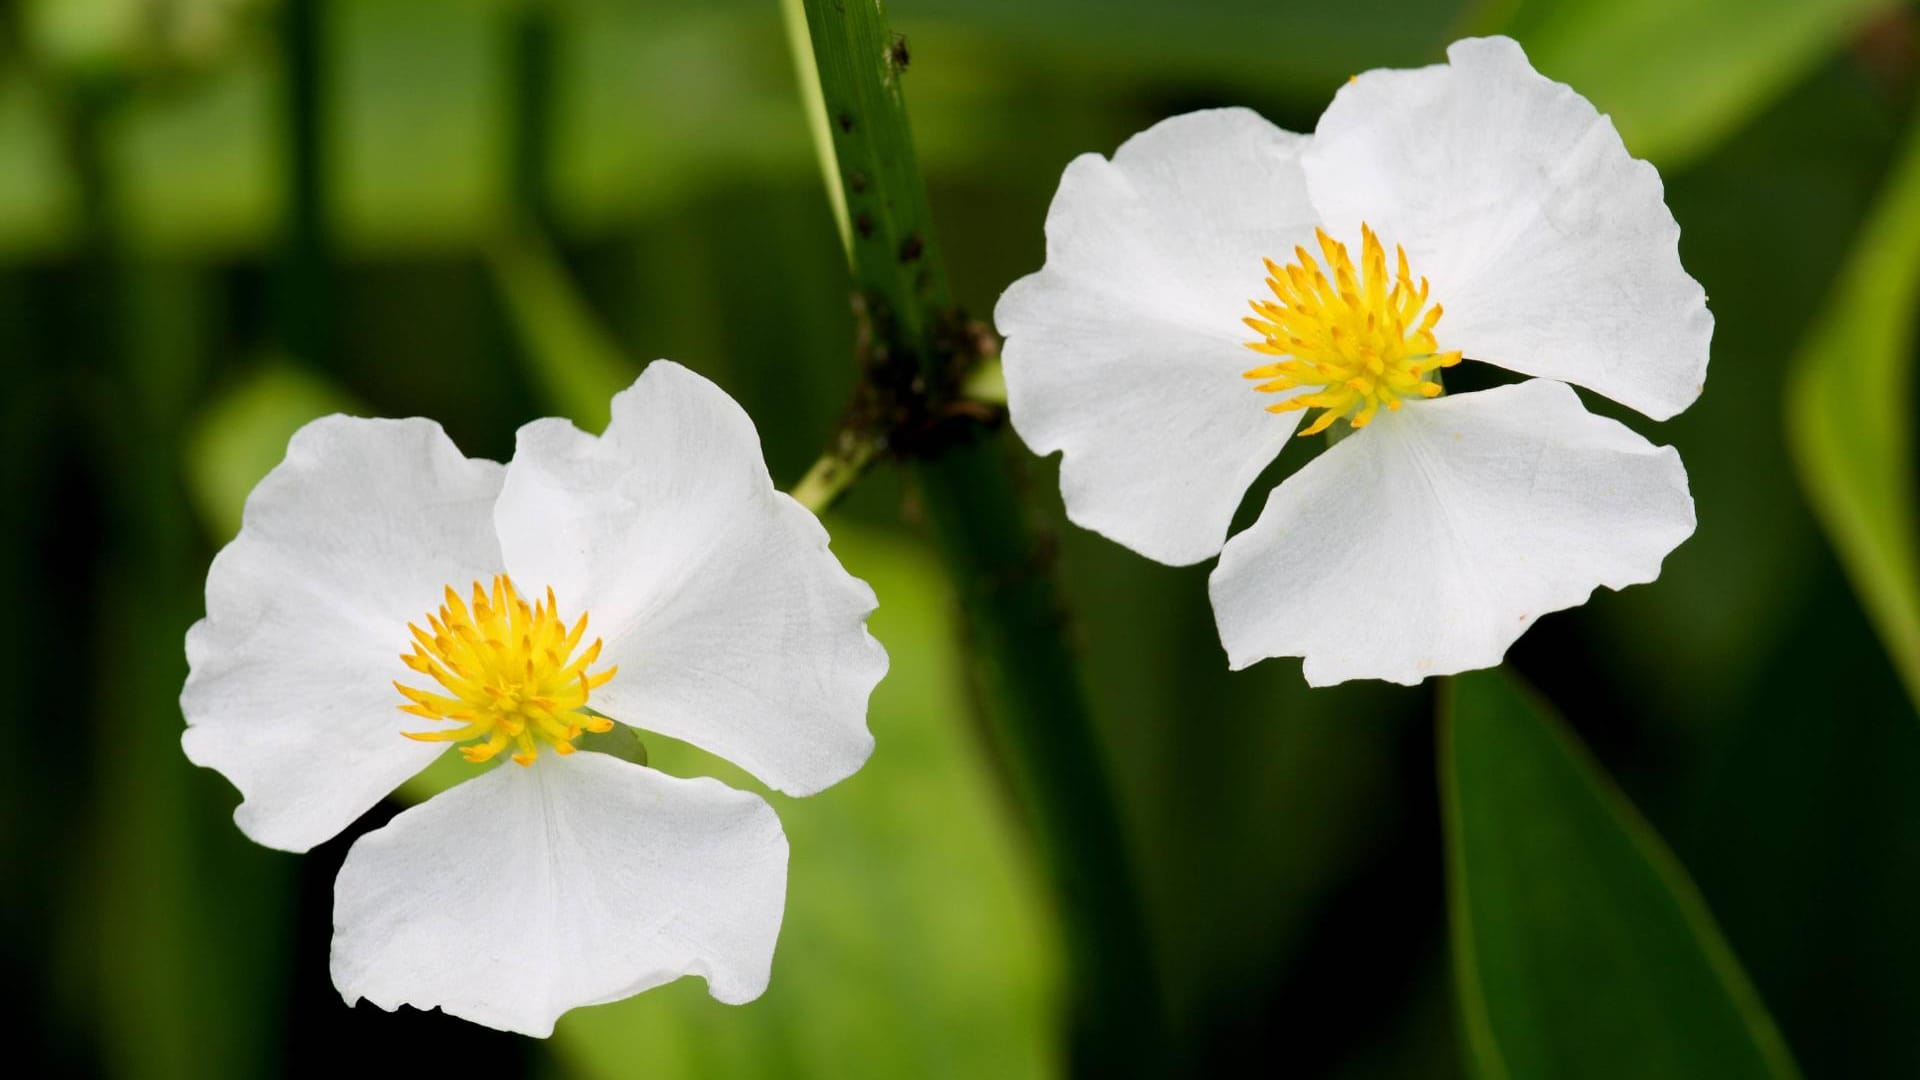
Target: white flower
{"x": 1426, "y": 542}
{"x": 379, "y": 573}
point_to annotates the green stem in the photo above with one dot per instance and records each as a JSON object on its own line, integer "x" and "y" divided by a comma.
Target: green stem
{"x": 532, "y": 48}
{"x": 917, "y": 352}
{"x": 854, "y": 451}
{"x": 895, "y": 260}
{"x": 835, "y": 472}
{"x": 305, "y": 300}
{"x": 794, "y": 13}
{"x": 987, "y": 384}
{"x": 1024, "y": 675}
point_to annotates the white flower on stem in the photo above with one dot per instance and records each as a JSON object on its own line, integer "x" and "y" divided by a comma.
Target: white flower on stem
{"x": 388, "y": 596}
{"x": 1472, "y": 209}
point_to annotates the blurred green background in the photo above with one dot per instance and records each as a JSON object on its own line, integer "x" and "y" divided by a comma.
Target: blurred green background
{"x": 177, "y": 294}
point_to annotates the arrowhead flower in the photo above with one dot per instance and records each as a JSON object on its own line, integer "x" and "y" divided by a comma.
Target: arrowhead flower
{"x": 1221, "y": 279}
{"x": 388, "y": 596}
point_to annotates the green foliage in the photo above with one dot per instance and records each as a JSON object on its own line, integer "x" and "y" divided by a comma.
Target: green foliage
{"x": 1679, "y": 77}
{"x": 1850, "y": 413}
{"x": 416, "y": 119}
{"x": 1283, "y": 838}
{"x": 1581, "y": 949}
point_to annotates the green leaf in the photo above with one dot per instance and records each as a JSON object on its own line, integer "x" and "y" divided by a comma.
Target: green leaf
{"x": 1581, "y": 948}
{"x": 1850, "y": 417}
{"x": 1677, "y": 78}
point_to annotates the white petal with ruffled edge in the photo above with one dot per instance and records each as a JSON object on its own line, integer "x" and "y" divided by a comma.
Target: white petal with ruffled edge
{"x": 1550, "y": 247}
{"x": 1426, "y": 543}
{"x": 1126, "y": 350}
{"x": 733, "y": 625}
{"x": 583, "y": 879}
{"x": 290, "y": 690}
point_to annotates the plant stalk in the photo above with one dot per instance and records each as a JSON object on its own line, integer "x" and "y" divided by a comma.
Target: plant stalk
{"x": 532, "y": 42}
{"x": 917, "y": 352}
{"x": 306, "y": 273}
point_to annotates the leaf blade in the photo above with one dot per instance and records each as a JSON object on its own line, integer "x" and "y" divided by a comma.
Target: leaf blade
{"x": 1850, "y": 420}
{"x": 1581, "y": 947}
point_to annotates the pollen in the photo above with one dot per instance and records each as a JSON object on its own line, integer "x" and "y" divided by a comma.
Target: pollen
{"x": 1358, "y": 341}
{"x": 510, "y": 674}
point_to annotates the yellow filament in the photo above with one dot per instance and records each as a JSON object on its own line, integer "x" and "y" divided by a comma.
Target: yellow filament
{"x": 509, "y": 674}
{"x": 1361, "y": 340}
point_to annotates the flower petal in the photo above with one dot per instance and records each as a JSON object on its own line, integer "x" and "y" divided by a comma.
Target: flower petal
{"x": 1426, "y": 543}
{"x": 1125, "y": 351}
{"x": 1551, "y": 248}
{"x": 525, "y": 892}
{"x": 733, "y": 625}
{"x": 290, "y": 689}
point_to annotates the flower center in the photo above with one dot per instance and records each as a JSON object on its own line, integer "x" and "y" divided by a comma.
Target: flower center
{"x": 1361, "y": 339}
{"x": 509, "y": 674}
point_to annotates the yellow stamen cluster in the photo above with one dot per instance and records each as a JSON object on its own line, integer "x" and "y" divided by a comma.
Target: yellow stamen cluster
{"x": 509, "y": 672}
{"x": 1360, "y": 338}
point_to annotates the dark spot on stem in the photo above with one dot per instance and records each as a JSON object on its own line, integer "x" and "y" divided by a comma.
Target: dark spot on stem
{"x": 898, "y": 54}
{"x": 857, "y": 183}
{"x": 911, "y": 248}
{"x": 863, "y": 224}
{"x": 845, "y": 120}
